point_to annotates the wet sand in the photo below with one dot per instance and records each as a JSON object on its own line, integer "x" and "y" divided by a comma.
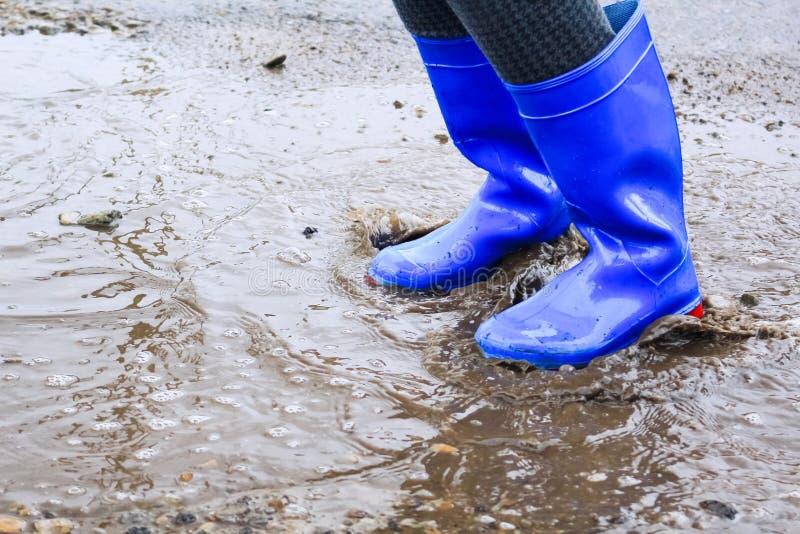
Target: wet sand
{"x": 205, "y": 366}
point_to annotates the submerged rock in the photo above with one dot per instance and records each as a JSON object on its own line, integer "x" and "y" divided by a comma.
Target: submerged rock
{"x": 719, "y": 509}
{"x": 58, "y": 525}
{"x": 105, "y": 218}
{"x": 11, "y": 525}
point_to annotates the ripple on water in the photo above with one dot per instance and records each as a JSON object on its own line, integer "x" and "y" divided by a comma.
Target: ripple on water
{"x": 227, "y": 401}
{"x": 293, "y": 256}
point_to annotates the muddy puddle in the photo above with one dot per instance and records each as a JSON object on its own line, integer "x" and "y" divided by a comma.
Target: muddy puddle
{"x": 207, "y": 365}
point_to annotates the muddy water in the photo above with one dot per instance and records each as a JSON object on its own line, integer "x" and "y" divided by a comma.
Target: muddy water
{"x": 207, "y": 354}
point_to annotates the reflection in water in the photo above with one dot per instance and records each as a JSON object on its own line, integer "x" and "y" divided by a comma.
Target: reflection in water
{"x": 206, "y": 347}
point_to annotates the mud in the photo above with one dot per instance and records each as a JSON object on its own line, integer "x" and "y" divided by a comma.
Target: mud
{"x": 205, "y": 367}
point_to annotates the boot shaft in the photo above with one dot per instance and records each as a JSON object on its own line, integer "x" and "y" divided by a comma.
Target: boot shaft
{"x": 608, "y": 134}
{"x": 480, "y": 114}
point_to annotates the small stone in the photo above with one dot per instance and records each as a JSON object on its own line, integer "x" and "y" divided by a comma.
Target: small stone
{"x": 443, "y": 505}
{"x": 356, "y": 514}
{"x": 442, "y": 138}
{"x": 276, "y": 62}
{"x": 597, "y": 477}
{"x": 186, "y": 477}
{"x": 57, "y": 525}
{"x": 11, "y": 525}
{"x": 101, "y": 218}
{"x": 308, "y": 231}
{"x": 749, "y": 300}
{"x": 719, "y": 509}
{"x": 397, "y": 104}
{"x": 444, "y": 448}
{"x": 184, "y": 518}
{"x": 138, "y": 530}
{"x": 207, "y": 527}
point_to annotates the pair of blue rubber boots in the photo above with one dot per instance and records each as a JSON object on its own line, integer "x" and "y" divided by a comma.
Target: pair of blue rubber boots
{"x": 598, "y": 147}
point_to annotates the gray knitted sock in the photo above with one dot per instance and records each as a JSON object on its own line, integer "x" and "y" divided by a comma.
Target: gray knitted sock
{"x": 430, "y": 18}
{"x": 529, "y": 41}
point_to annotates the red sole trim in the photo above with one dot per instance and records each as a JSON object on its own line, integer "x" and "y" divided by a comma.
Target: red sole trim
{"x": 697, "y": 312}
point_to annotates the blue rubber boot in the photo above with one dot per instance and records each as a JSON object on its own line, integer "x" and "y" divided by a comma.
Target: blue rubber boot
{"x": 608, "y": 134}
{"x": 517, "y": 205}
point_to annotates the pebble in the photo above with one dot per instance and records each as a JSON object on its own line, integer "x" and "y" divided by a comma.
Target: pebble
{"x": 58, "y": 525}
{"x": 11, "y": 525}
{"x": 719, "y": 509}
{"x": 444, "y": 448}
{"x": 308, "y": 231}
{"x": 276, "y": 62}
{"x": 184, "y": 518}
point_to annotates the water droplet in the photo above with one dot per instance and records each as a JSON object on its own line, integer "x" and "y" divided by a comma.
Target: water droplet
{"x": 232, "y": 332}
{"x": 143, "y": 356}
{"x": 74, "y": 442}
{"x": 279, "y": 352}
{"x": 339, "y": 381}
{"x": 359, "y": 394}
{"x": 38, "y": 234}
{"x": 149, "y": 379}
{"x": 597, "y": 477}
{"x": 10, "y": 377}
{"x": 295, "y": 409}
{"x": 298, "y": 379}
{"x": 60, "y": 381}
{"x": 69, "y": 410}
{"x": 278, "y": 431}
{"x": 244, "y": 362}
{"x": 161, "y": 424}
{"x": 753, "y": 418}
{"x": 214, "y": 437}
{"x": 41, "y": 360}
{"x": 196, "y": 419}
{"x": 220, "y": 348}
{"x": 232, "y": 387}
{"x": 76, "y": 490}
{"x": 145, "y": 454}
{"x": 377, "y": 364}
{"x": 166, "y": 396}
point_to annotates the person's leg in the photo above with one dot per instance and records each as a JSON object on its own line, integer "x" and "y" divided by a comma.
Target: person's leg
{"x": 517, "y": 205}
{"x": 607, "y": 131}
{"x": 528, "y": 41}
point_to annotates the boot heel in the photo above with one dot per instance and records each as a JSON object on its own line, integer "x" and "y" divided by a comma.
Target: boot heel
{"x": 698, "y": 311}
